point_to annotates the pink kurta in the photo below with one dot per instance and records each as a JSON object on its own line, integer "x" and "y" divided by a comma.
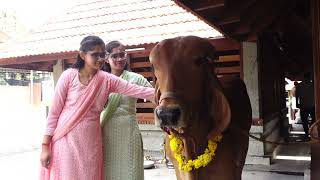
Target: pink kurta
{"x": 77, "y": 146}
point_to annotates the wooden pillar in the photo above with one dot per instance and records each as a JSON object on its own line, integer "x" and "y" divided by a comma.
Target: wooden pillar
{"x": 58, "y": 68}
{"x": 129, "y": 62}
{"x": 315, "y": 149}
{"x": 241, "y": 62}
{"x": 31, "y": 87}
{"x": 251, "y": 75}
{"x": 250, "y": 69}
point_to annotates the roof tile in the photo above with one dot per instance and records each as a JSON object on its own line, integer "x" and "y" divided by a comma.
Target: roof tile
{"x": 133, "y": 22}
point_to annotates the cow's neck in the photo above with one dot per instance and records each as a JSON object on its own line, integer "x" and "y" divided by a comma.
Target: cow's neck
{"x": 196, "y": 141}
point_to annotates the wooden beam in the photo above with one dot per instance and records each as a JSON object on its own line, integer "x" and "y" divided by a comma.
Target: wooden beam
{"x": 139, "y": 54}
{"x": 70, "y": 61}
{"x": 145, "y": 115}
{"x": 234, "y": 10}
{"x": 315, "y": 148}
{"x": 231, "y": 16}
{"x": 146, "y": 74}
{"x": 38, "y": 58}
{"x": 252, "y": 12}
{"x": 45, "y": 66}
{"x": 209, "y": 5}
{"x": 225, "y": 44}
{"x": 146, "y": 105}
{"x": 192, "y": 11}
{"x": 241, "y": 62}
{"x": 147, "y": 47}
{"x": 260, "y": 16}
{"x": 140, "y": 64}
{"x": 229, "y": 20}
{"x": 272, "y": 15}
{"x": 229, "y": 58}
{"x": 145, "y": 118}
{"x": 227, "y": 70}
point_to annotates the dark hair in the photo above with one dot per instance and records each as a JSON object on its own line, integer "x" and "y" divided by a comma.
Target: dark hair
{"x": 109, "y": 46}
{"x": 87, "y": 44}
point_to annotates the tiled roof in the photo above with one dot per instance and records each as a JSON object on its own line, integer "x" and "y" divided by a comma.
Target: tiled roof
{"x": 133, "y": 22}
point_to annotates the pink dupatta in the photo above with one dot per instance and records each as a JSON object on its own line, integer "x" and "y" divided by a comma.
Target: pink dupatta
{"x": 81, "y": 108}
{"x": 76, "y": 115}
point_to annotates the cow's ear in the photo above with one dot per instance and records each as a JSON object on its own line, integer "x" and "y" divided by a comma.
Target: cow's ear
{"x": 220, "y": 113}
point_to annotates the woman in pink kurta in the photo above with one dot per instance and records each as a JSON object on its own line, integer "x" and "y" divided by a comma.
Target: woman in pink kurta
{"x": 72, "y": 147}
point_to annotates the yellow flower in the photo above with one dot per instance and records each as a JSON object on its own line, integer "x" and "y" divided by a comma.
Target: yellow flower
{"x": 197, "y": 163}
{"x": 217, "y": 138}
{"x": 203, "y": 160}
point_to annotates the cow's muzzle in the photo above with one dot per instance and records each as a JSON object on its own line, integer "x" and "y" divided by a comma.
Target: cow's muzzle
{"x": 169, "y": 113}
{"x": 168, "y": 116}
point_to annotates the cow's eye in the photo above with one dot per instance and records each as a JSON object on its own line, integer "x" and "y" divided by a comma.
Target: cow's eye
{"x": 201, "y": 60}
{"x": 204, "y": 61}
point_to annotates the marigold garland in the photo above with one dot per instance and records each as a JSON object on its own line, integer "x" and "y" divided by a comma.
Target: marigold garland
{"x": 203, "y": 160}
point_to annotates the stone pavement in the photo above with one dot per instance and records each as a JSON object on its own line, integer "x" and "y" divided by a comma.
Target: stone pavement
{"x": 279, "y": 170}
{"x": 161, "y": 172}
{"x": 25, "y": 166}
{"x": 21, "y": 132}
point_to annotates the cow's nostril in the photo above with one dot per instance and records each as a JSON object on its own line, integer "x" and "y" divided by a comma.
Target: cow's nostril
{"x": 158, "y": 113}
{"x": 176, "y": 112}
{"x": 168, "y": 116}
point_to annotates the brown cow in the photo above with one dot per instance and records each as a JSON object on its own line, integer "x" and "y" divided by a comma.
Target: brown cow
{"x": 197, "y": 105}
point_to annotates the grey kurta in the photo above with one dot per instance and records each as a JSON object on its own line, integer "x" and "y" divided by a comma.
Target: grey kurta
{"x": 122, "y": 141}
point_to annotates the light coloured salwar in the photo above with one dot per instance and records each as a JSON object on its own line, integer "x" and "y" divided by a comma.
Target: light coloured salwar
{"x": 122, "y": 142}
{"x": 73, "y": 121}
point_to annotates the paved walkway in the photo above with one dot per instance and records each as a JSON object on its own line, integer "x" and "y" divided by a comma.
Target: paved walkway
{"x": 25, "y": 166}
{"x": 19, "y": 157}
{"x": 161, "y": 172}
